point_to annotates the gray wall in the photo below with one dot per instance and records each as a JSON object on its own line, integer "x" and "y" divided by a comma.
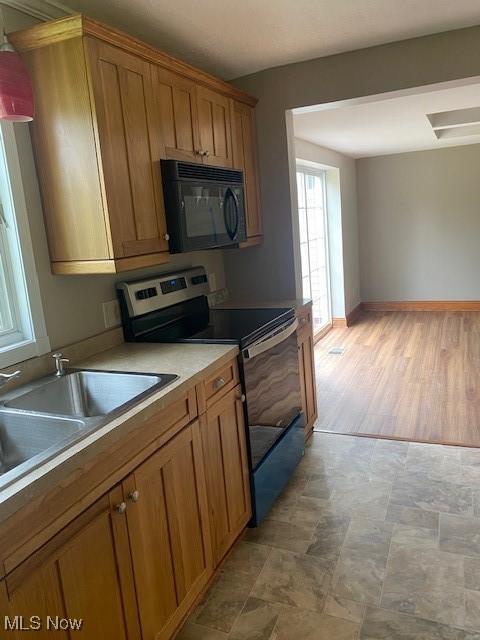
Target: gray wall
{"x": 420, "y": 61}
{"x": 342, "y": 222}
{"x": 73, "y": 304}
{"x": 419, "y": 216}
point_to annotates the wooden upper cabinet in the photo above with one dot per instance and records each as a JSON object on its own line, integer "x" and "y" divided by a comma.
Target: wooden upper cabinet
{"x": 83, "y": 572}
{"x": 245, "y": 158}
{"x": 215, "y": 136}
{"x": 169, "y": 533}
{"x": 176, "y": 104}
{"x": 226, "y": 466}
{"x": 108, "y": 109}
{"x": 122, "y": 92}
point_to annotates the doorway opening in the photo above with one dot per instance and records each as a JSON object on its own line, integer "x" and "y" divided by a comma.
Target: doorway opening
{"x": 313, "y": 235}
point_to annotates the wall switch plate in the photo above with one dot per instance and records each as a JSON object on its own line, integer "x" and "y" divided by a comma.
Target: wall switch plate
{"x": 111, "y": 314}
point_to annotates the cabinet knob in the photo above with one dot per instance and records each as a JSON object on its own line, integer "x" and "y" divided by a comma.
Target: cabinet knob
{"x": 121, "y": 507}
{"x": 243, "y": 397}
{"x": 166, "y": 236}
{"x": 206, "y": 153}
{"x": 134, "y": 495}
{"x": 219, "y": 382}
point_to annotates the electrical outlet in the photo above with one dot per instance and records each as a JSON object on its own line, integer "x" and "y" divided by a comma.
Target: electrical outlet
{"x": 111, "y": 314}
{"x": 212, "y": 281}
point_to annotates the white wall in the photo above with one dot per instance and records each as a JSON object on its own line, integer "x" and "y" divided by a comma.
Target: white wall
{"x": 419, "y": 220}
{"x": 73, "y": 304}
{"x": 343, "y": 224}
{"x": 375, "y": 70}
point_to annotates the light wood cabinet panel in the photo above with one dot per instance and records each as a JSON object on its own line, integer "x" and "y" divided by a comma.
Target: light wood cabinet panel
{"x": 176, "y": 104}
{"x": 215, "y": 136}
{"x": 226, "y": 465}
{"x": 124, "y": 107}
{"x": 83, "y": 572}
{"x": 245, "y": 158}
{"x": 169, "y": 533}
{"x": 65, "y": 153}
{"x": 307, "y": 367}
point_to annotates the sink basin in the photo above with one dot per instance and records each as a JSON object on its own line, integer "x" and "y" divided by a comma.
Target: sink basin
{"x": 24, "y": 437}
{"x": 88, "y": 393}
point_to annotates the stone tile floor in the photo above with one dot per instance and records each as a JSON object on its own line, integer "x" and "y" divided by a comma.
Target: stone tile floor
{"x": 371, "y": 540}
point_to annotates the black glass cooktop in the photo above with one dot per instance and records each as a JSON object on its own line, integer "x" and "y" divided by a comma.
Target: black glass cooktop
{"x": 193, "y": 321}
{"x": 241, "y": 325}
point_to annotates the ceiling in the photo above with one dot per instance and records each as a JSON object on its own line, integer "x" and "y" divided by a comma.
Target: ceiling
{"x": 232, "y": 38}
{"x": 396, "y": 125}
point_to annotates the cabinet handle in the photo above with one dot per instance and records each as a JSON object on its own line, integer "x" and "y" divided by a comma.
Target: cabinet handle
{"x": 219, "y": 382}
{"x": 121, "y": 507}
{"x": 166, "y": 236}
{"x": 134, "y": 495}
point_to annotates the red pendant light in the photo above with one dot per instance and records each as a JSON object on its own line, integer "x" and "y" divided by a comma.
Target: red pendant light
{"x": 16, "y": 94}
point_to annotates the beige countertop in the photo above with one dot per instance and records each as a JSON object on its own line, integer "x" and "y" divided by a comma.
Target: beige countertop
{"x": 191, "y": 362}
{"x": 239, "y": 303}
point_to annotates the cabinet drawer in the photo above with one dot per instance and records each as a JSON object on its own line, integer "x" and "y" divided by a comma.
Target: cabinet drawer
{"x": 217, "y": 384}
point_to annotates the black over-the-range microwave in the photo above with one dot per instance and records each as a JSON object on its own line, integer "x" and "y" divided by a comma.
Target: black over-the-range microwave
{"x": 204, "y": 205}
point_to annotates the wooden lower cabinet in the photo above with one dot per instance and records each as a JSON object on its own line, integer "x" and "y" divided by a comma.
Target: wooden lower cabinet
{"x": 307, "y": 367}
{"x": 227, "y": 474}
{"x": 134, "y": 563}
{"x": 167, "y": 517}
{"x": 83, "y": 572}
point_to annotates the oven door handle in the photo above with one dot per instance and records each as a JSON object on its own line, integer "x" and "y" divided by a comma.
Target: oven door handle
{"x": 270, "y": 342}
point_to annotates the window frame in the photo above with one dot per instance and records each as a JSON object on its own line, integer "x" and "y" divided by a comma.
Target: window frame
{"x": 322, "y": 174}
{"x": 22, "y": 274}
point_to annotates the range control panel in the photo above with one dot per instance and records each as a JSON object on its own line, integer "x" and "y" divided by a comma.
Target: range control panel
{"x": 175, "y": 284}
{"x": 144, "y": 296}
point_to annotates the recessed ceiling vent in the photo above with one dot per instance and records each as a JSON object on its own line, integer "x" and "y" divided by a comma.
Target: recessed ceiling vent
{"x": 459, "y": 123}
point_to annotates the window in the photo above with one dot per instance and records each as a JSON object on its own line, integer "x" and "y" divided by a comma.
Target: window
{"x": 313, "y": 243}
{"x": 22, "y": 328}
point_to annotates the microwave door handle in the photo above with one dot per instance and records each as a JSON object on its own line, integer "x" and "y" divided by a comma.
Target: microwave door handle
{"x": 230, "y": 195}
{"x": 263, "y": 345}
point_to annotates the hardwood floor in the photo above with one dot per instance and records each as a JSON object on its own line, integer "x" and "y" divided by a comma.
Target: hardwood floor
{"x": 403, "y": 375}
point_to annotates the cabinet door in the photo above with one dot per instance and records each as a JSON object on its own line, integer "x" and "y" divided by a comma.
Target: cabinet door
{"x": 307, "y": 371}
{"x": 214, "y": 127}
{"x": 84, "y": 572}
{"x": 169, "y": 535}
{"x": 122, "y": 90}
{"x": 226, "y": 466}
{"x": 176, "y": 105}
{"x": 245, "y": 158}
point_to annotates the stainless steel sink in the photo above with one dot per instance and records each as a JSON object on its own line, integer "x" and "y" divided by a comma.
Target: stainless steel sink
{"x": 88, "y": 393}
{"x": 27, "y": 438}
{"x": 24, "y": 435}
{"x": 44, "y": 418}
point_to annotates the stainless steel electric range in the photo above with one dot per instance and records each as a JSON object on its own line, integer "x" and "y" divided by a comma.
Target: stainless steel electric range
{"x": 174, "y": 308}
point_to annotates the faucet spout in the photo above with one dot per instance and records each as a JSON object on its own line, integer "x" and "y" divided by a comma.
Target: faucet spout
{"x": 5, "y": 378}
{"x": 60, "y": 363}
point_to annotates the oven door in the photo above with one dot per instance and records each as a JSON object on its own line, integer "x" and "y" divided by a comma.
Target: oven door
{"x": 272, "y": 387}
{"x": 208, "y": 215}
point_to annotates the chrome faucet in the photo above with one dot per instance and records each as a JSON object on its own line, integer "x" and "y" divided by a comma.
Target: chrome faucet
{"x": 6, "y": 377}
{"x": 60, "y": 363}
